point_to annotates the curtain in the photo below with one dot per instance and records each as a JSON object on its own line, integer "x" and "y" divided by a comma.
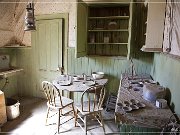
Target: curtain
{"x": 171, "y": 43}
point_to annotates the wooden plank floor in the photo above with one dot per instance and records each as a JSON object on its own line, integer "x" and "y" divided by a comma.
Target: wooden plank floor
{"x": 32, "y": 122}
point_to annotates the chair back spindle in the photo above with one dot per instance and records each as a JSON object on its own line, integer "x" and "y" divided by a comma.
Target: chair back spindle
{"x": 51, "y": 93}
{"x": 92, "y": 98}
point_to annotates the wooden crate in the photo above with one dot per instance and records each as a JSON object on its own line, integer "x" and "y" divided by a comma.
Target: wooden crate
{"x": 3, "y": 117}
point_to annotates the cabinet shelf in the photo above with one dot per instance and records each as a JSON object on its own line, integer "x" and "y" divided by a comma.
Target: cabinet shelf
{"x": 109, "y": 56}
{"x": 109, "y": 30}
{"x": 99, "y": 30}
{"x": 15, "y": 47}
{"x": 110, "y": 17}
{"x": 108, "y": 43}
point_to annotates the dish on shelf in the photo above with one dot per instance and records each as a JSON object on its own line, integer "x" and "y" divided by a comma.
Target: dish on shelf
{"x": 134, "y": 107}
{"x": 64, "y": 83}
{"x": 127, "y": 109}
{"x": 134, "y": 101}
{"x": 89, "y": 83}
{"x": 141, "y": 105}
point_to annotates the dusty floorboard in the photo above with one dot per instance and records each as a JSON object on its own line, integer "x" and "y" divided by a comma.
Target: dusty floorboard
{"x": 32, "y": 122}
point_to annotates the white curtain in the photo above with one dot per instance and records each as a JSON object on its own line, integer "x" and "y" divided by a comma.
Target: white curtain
{"x": 171, "y": 41}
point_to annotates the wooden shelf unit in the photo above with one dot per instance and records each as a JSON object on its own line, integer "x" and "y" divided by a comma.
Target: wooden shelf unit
{"x": 108, "y": 30}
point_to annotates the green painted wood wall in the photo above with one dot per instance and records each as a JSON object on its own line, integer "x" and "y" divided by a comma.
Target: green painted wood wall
{"x": 166, "y": 71}
{"x": 11, "y": 88}
{"x": 112, "y": 68}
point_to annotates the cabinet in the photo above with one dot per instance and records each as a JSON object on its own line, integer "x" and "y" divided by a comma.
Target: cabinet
{"x": 154, "y": 26}
{"x": 105, "y": 29}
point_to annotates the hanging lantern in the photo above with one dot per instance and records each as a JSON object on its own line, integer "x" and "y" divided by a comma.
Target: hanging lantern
{"x": 29, "y": 18}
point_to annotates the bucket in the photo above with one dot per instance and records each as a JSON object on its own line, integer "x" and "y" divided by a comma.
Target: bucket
{"x": 12, "y": 108}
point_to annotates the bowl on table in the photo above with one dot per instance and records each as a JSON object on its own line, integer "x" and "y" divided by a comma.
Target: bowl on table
{"x": 98, "y": 75}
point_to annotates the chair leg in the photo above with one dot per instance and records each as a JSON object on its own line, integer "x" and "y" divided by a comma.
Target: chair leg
{"x": 74, "y": 114}
{"x": 76, "y": 118}
{"x": 102, "y": 122}
{"x": 47, "y": 115}
{"x": 73, "y": 110}
{"x": 85, "y": 124}
{"x": 59, "y": 120}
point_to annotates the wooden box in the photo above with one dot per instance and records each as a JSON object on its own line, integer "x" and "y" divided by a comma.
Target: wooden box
{"x": 3, "y": 117}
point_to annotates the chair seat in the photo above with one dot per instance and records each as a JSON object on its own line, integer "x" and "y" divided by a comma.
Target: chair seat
{"x": 85, "y": 110}
{"x": 65, "y": 102}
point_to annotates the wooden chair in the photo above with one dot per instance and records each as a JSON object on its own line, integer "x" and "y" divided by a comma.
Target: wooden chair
{"x": 57, "y": 102}
{"x": 90, "y": 106}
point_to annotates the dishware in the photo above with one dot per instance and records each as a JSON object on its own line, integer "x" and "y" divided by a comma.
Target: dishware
{"x": 127, "y": 103}
{"x": 121, "y": 105}
{"x": 64, "y": 83}
{"x": 127, "y": 109}
{"x": 140, "y": 105}
{"x": 134, "y": 107}
{"x": 97, "y": 75}
{"x": 134, "y": 101}
{"x": 75, "y": 78}
{"x": 89, "y": 83}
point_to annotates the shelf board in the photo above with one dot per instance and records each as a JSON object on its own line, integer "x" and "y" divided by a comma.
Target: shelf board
{"x": 110, "y": 17}
{"x": 99, "y": 30}
{"x": 15, "y": 47}
{"x": 108, "y": 43}
{"x": 109, "y": 56}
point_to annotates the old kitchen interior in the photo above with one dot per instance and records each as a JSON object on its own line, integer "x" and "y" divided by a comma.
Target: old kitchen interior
{"x": 132, "y": 45}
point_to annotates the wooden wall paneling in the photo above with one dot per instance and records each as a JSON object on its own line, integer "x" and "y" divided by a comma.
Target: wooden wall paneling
{"x": 42, "y": 55}
{"x": 70, "y": 61}
{"x": 55, "y": 45}
{"x": 166, "y": 72}
{"x": 26, "y": 79}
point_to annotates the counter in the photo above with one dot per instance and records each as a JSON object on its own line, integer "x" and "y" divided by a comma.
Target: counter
{"x": 148, "y": 117}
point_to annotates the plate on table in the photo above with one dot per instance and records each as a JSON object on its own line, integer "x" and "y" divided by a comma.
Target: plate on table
{"x": 89, "y": 83}
{"x": 64, "y": 83}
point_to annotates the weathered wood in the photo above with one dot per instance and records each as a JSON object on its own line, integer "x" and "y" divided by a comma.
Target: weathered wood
{"x": 3, "y": 117}
{"x": 149, "y": 116}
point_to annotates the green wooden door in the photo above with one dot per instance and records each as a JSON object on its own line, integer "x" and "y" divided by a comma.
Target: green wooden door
{"x": 81, "y": 30}
{"x": 48, "y": 50}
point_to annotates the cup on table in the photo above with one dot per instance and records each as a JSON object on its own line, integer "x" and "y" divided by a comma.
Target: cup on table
{"x": 75, "y": 78}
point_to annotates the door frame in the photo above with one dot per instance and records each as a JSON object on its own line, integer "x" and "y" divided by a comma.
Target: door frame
{"x": 65, "y": 17}
{"x": 65, "y": 35}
